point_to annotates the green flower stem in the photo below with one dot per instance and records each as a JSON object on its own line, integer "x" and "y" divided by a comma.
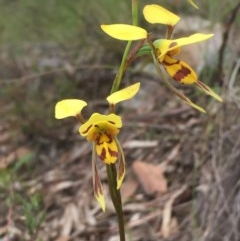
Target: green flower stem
{"x": 111, "y": 168}
{"x": 135, "y": 12}
{"x": 121, "y": 70}
{"x": 116, "y": 198}
{"x": 123, "y": 64}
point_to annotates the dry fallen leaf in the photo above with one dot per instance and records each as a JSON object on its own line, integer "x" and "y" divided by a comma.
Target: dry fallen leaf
{"x": 151, "y": 177}
{"x": 128, "y": 189}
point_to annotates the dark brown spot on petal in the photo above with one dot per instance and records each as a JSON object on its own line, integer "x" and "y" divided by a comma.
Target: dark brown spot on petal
{"x": 112, "y": 153}
{"x": 96, "y": 126}
{"x": 98, "y": 139}
{"x": 112, "y": 122}
{"x": 103, "y": 154}
{"x": 86, "y": 131}
{"x": 181, "y": 74}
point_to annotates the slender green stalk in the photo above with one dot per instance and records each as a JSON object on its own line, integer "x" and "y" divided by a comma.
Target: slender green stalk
{"x": 122, "y": 68}
{"x": 116, "y": 198}
{"x": 111, "y": 169}
{"x": 135, "y": 12}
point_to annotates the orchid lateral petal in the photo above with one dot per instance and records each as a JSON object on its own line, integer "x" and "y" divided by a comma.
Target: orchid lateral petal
{"x": 124, "y": 31}
{"x": 121, "y": 166}
{"x": 165, "y": 45}
{"x": 179, "y": 70}
{"x": 97, "y": 184}
{"x": 193, "y": 4}
{"x": 208, "y": 90}
{"x": 68, "y": 107}
{"x": 156, "y": 14}
{"x": 124, "y": 94}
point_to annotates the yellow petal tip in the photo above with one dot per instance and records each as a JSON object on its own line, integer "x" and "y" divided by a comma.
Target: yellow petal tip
{"x": 156, "y": 14}
{"x": 124, "y": 94}
{"x": 101, "y": 201}
{"x": 208, "y": 90}
{"x": 124, "y": 31}
{"x": 69, "y": 107}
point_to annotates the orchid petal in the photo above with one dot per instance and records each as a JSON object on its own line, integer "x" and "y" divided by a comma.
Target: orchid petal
{"x": 124, "y": 31}
{"x": 68, "y": 107}
{"x": 156, "y": 14}
{"x": 124, "y": 94}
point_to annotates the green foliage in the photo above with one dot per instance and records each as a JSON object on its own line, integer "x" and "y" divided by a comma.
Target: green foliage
{"x": 32, "y": 211}
{"x": 56, "y": 20}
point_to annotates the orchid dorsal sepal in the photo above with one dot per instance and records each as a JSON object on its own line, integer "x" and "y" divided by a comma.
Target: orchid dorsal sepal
{"x": 193, "y": 4}
{"x": 124, "y": 94}
{"x": 156, "y": 14}
{"x": 69, "y": 107}
{"x": 124, "y": 31}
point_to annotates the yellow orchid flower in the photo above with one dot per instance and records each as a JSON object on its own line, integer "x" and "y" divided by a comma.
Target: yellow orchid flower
{"x": 102, "y": 131}
{"x": 178, "y": 69}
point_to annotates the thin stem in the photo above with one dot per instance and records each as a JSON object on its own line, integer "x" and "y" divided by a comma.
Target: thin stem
{"x": 116, "y": 198}
{"x": 111, "y": 168}
{"x": 122, "y": 68}
{"x": 135, "y": 12}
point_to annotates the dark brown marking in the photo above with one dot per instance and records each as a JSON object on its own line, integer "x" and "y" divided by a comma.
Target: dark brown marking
{"x": 103, "y": 154}
{"x": 112, "y": 153}
{"x": 181, "y": 74}
{"x": 112, "y": 122}
{"x": 170, "y": 64}
{"x": 86, "y": 131}
{"x": 97, "y": 140}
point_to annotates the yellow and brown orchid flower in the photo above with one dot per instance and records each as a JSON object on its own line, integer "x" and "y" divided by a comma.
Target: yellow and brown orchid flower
{"x": 179, "y": 70}
{"x": 102, "y": 131}
{"x": 166, "y": 49}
